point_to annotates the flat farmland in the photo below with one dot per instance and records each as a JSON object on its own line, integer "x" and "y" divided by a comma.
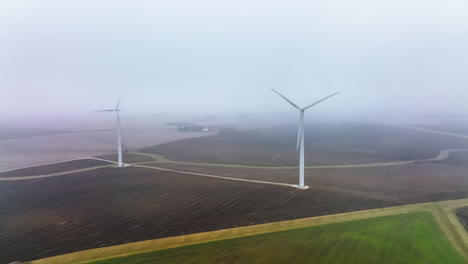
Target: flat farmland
{"x": 111, "y": 206}
{"x": 407, "y": 238}
{"x": 325, "y": 144}
{"x": 403, "y": 184}
{"x": 27, "y": 143}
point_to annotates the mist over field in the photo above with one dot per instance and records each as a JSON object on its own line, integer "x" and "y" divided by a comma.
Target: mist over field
{"x": 183, "y": 131}
{"x": 182, "y": 61}
{"x": 65, "y": 58}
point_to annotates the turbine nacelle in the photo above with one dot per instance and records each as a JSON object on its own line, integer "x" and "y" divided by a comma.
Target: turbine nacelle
{"x": 307, "y": 107}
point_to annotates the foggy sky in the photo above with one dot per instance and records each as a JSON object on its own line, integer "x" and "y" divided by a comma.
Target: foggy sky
{"x": 401, "y": 56}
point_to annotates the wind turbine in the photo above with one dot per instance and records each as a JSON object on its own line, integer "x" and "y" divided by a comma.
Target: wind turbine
{"x": 119, "y": 131}
{"x": 300, "y": 134}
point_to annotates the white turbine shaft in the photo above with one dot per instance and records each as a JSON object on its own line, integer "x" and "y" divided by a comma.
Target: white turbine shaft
{"x": 300, "y": 133}
{"x": 119, "y": 131}
{"x": 119, "y": 140}
{"x": 301, "y": 152}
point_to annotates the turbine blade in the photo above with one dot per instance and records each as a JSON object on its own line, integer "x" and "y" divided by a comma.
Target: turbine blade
{"x": 107, "y": 110}
{"x": 289, "y": 101}
{"x": 319, "y": 101}
{"x": 118, "y": 103}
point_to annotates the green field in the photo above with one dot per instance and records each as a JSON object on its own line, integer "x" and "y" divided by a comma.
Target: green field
{"x": 408, "y": 238}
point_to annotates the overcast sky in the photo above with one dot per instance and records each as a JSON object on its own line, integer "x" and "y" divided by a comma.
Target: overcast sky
{"x": 213, "y": 55}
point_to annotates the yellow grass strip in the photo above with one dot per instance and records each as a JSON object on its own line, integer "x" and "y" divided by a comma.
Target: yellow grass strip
{"x": 451, "y": 226}
{"x": 447, "y": 227}
{"x": 159, "y": 159}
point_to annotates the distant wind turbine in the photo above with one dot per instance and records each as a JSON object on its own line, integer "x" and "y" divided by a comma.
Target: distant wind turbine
{"x": 119, "y": 131}
{"x": 300, "y": 135}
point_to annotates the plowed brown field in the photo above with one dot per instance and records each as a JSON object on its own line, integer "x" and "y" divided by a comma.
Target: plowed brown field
{"x": 112, "y": 206}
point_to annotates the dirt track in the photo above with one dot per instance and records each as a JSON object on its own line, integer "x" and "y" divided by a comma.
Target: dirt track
{"x": 326, "y": 144}
{"x": 95, "y": 207}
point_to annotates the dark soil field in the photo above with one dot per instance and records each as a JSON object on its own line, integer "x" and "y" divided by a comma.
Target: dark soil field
{"x": 462, "y": 214}
{"x": 412, "y": 183}
{"x": 326, "y": 144}
{"x": 110, "y": 206}
{"x": 54, "y": 168}
{"x": 51, "y": 216}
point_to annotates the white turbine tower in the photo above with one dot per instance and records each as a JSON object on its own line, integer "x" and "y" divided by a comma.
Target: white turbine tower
{"x": 300, "y": 134}
{"x": 119, "y": 131}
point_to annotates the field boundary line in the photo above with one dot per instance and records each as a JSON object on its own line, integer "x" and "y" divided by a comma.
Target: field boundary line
{"x": 97, "y": 254}
{"x": 58, "y": 134}
{"x": 162, "y": 159}
{"x": 23, "y": 178}
{"x": 110, "y": 161}
{"x": 20, "y": 178}
{"x": 451, "y": 226}
{"x": 56, "y": 162}
{"x": 216, "y": 176}
{"x": 443, "y": 155}
{"x": 439, "y": 132}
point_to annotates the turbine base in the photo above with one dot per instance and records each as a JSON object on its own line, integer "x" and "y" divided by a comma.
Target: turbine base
{"x": 302, "y": 188}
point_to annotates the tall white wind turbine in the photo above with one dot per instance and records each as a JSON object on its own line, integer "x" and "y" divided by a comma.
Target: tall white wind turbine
{"x": 119, "y": 131}
{"x": 300, "y": 134}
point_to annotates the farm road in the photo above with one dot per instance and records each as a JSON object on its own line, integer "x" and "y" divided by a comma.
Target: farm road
{"x": 62, "y": 173}
{"x": 443, "y": 155}
{"x": 431, "y": 131}
{"x": 215, "y": 176}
